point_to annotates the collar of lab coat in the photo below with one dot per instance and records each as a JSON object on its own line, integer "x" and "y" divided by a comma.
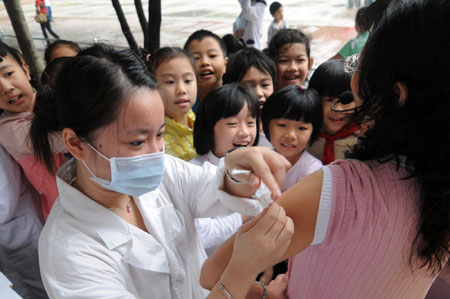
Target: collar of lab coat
{"x": 110, "y": 227}
{"x": 144, "y": 252}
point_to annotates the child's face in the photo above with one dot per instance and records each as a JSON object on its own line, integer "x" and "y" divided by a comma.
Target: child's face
{"x": 62, "y": 51}
{"x": 231, "y": 132}
{"x": 138, "y": 130}
{"x": 332, "y": 121}
{"x": 16, "y": 92}
{"x": 178, "y": 86}
{"x": 260, "y": 82}
{"x": 289, "y": 137}
{"x": 210, "y": 62}
{"x": 293, "y": 65}
{"x": 278, "y": 15}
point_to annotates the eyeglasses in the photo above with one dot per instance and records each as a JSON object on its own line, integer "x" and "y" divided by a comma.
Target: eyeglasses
{"x": 344, "y": 99}
{"x": 351, "y": 63}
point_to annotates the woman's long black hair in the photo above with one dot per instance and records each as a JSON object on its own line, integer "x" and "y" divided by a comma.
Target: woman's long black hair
{"x": 411, "y": 46}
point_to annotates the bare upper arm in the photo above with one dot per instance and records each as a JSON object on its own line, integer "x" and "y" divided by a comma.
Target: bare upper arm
{"x": 301, "y": 203}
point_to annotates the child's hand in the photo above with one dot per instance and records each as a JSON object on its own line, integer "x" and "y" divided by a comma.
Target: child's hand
{"x": 265, "y": 164}
{"x": 262, "y": 242}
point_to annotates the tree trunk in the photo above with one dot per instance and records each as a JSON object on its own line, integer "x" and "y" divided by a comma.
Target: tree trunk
{"x": 125, "y": 28}
{"x": 142, "y": 20}
{"x": 23, "y": 36}
{"x": 154, "y": 25}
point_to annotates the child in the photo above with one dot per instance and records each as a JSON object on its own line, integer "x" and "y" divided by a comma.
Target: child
{"x": 362, "y": 27}
{"x": 253, "y": 13}
{"x": 233, "y": 44}
{"x": 253, "y": 68}
{"x": 278, "y": 23}
{"x": 338, "y": 134}
{"x": 226, "y": 119}
{"x": 123, "y": 225}
{"x": 18, "y": 100}
{"x": 291, "y": 119}
{"x": 210, "y": 55}
{"x": 174, "y": 70}
{"x": 61, "y": 48}
{"x": 290, "y": 51}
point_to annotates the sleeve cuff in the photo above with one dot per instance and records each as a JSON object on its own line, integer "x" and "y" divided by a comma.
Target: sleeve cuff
{"x": 245, "y": 206}
{"x": 325, "y": 206}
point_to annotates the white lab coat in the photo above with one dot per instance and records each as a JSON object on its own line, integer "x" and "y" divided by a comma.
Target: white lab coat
{"x": 254, "y": 14}
{"x": 87, "y": 251}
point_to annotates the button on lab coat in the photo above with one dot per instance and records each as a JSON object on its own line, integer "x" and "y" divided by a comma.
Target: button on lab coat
{"x": 87, "y": 251}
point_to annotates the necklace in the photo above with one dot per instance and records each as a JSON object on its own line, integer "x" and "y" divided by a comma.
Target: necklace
{"x": 127, "y": 206}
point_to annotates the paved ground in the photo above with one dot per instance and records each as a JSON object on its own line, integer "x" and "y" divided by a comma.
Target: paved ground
{"x": 329, "y": 22}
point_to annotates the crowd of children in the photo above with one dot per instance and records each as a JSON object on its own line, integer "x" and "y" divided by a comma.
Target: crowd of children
{"x": 142, "y": 168}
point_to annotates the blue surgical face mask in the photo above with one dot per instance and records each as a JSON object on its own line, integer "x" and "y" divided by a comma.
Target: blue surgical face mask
{"x": 134, "y": 176}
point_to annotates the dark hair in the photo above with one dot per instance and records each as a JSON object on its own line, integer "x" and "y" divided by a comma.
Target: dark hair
{"x": 416, "y": 130}
{"x": 330, "y": 79}
{"x": 294, "y": 103}
{"x": 5, "y": 50}
{"x": 233, "y": 43}
{"x": 274, "y": 7}
{"x": 202, "y": 34}
{"x": 287, "y": 36}
{"x": 88, "y": 93}
{"x": 168, "y": 53}
{"x": 59, "y": 43}
{"x": 222, "y": 102}
{"x": 243, "y": 60}
{"x": 52, "y": 70}
{"x": 362, "y": 19}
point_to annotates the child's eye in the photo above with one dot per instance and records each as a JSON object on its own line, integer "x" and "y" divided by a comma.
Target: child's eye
{"x": 251, "y": 123}
{"x": 188, "y": 81}
{"x": 213, "y": 56}
{"x": 9, "y": 74}
{"x": 281, "y": 125}
{"x": 169, "y": 82}
{"x": 301, "y": 60}
{"x": 266, "y": 85}
{"x": 282, "y": 60}
{"x": 231, "y": 124}
{"x": 161, "y": 135}
{"x": 137, "y": 142}
{"x": 196, "y": 57}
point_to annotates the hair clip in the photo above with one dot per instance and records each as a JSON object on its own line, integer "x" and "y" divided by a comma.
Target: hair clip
{"x": 147, "y": 58}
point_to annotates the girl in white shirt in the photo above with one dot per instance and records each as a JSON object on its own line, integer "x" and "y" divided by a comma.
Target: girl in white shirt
{"x": 253, "y": 13}
{"x": 123, "y": 226}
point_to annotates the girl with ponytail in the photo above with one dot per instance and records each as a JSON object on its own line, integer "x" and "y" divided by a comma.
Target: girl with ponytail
{"x": 18, "y": 99}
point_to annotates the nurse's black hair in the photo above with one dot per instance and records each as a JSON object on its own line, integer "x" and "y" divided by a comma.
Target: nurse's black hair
{"x": 222, "y": 102}
{"x": 88, "y": 93}
{"x": 293, "y": 103}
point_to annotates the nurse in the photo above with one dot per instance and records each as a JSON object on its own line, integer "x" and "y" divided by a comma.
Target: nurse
{"x": 123, "y": 226}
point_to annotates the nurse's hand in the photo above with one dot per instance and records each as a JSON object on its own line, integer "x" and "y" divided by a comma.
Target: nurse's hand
{"x": 264, "y": 164}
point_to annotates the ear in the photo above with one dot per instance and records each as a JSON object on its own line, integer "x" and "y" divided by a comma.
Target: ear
{"x": 401, "y": 90}
{"x": 26, "y": 68}
{"x": 75, "y": 146}
{"x": 226, "y": 63}
{"x": 311, "y": 63}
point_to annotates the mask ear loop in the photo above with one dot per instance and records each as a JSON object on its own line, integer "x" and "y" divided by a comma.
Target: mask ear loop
{"x": 101, "y": 155}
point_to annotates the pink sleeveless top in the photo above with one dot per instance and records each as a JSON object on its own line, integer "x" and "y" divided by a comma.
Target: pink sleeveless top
{"x": 365, "y": 252}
